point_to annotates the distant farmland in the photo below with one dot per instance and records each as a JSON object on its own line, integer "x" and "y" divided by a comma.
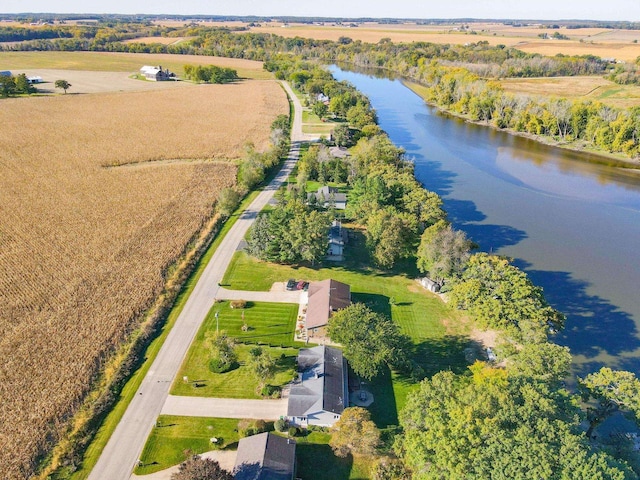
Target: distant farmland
{"x": 99, "y": 196}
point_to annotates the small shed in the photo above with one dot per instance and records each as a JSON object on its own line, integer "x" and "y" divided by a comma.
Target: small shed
{"x": 429, "y": 284}
{"x": 5, "y": 73}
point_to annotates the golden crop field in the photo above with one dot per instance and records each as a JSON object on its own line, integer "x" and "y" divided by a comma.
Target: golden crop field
{"x": 85, "y": 245}
{"x": 605, "y": 43}
{"x": 124, "y": 62}
{"x": 581, "y": 87}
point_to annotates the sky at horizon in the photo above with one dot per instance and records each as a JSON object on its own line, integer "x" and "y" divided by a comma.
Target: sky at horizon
{"x": 416, "y": 9}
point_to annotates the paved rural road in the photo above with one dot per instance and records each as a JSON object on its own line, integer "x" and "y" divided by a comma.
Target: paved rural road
{"x": 225, "y": 407}
{"x": 125, "y": 446}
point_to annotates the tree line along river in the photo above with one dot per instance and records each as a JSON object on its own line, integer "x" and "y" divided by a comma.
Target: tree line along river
{"x": 573, "y": 225}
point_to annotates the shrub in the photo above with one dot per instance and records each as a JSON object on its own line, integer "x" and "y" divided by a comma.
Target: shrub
{"x": 248, "y": 427}
{"x": 238, "y": 303}
{"x": 280, "y": 425}
{"x": 217, "y": 365}
{"x": 293, "y": 431}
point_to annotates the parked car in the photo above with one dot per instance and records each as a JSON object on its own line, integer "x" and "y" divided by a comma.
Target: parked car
{"x": 291, "y": 284}
{"x": 300, "y": 285}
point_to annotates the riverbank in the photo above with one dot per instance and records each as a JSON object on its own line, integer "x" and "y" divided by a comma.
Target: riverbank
{"x": 591, "y": 155}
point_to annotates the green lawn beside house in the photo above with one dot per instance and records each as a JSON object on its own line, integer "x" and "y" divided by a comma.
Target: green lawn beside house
{"x": 174, "y": 438}
{"x": 271, "y": 325}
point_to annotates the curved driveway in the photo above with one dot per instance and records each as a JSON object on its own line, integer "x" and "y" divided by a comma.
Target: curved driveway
{"x": 125, "y": 446}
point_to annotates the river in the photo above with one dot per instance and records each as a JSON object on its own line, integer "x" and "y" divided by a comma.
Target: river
{"x": 572, "y": 225}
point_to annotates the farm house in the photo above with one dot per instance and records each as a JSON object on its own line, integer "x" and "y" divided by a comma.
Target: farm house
{"x": 157, "y": 74}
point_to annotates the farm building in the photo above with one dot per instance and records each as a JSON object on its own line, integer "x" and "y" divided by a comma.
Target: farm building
{"x": 326, "y": 196}
{"x": 34, "y": 79}
{"x": 157, "y": 74}
{"x": 265, "y": 457}
{"x": 5, "y": 73}
{"x": 325, "y": 297}
{"x": 320, "y": 393}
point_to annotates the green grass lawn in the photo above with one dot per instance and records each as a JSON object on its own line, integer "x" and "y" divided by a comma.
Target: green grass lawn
{"x": 237, "y": 383}
{"x": 316, "y": 460}
{"x": 420, "y": 314}
{"x": 174, "y": 438}
{"x": 269, "y": 324}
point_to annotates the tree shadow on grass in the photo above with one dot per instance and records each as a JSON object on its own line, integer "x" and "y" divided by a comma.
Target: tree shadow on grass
{"x": 318, "y": 462}
{"x": 377, "y": 303}
{"x": 451, "y": 352}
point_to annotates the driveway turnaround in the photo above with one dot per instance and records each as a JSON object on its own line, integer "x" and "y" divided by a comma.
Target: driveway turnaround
{"x": 225, "y": 407}
{"x": 123, "y": 449}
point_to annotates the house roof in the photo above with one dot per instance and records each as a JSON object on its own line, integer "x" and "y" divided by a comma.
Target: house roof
{"x": 321, "y": 382}
{"x": 265, "y": 457}
{"x": 327, "y": 193}
{"x": 325, "y": 297}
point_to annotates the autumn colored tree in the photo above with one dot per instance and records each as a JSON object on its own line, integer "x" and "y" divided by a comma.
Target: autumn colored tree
{"x": 354, "y": 433}
{"x": 198, "y": 468}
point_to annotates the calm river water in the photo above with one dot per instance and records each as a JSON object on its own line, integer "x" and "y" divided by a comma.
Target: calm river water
{"x": 573, "y": 226}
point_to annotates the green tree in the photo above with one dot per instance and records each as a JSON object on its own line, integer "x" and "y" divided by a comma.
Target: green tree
{"x": 223, "y": 352}
{"x": 612, "y": 391}
{"x": 390, "y": 236}
{"x": 262, "y": 365}
{"x": 493, "y": 425}
{"x": 443, "y": 251}
{"x": 354, "y": 433}
{"x": 198, "y": 468}
{"x": 500, "y": 295}
{"x": 389, "y": 469}
{"x": 23, "y": 85}
{"x": 545, "y": 362}
{"x": 371, "y": 341}
{"x": 342, "y": 135}
{"x": 7, "y": 86}
{"x": 63, "y": 85}
{"x": 228, "y": 200}
{"x": 320, "y": 109}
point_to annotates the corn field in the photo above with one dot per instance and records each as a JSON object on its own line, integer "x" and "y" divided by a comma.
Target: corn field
{"x": 99, "y": 195}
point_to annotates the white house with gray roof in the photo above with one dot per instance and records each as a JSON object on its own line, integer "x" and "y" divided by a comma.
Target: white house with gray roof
{"x": 321, "y": 392}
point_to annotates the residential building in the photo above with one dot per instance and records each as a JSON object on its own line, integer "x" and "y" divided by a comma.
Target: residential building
{"x": 321, "y": 392}
{"x": 265, "y": 456}
{"x": 326, "y": 196}
{"x": 325, "y": 297}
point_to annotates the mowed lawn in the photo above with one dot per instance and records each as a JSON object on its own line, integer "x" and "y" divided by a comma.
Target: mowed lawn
{"x": 437, "y": 332}
{"x": 174, "y": 438}
{"x": 269, "y": 324}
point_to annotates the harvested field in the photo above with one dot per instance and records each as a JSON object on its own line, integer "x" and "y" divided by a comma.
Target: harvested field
{"x": 84, "y": 248}
{"x": 587, "y": 88}
{"x": 124, "y": 62}
{"x": 627, "y": 52}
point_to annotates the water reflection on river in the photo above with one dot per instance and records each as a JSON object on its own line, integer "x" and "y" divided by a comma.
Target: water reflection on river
{"x": 574, "y": 226}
